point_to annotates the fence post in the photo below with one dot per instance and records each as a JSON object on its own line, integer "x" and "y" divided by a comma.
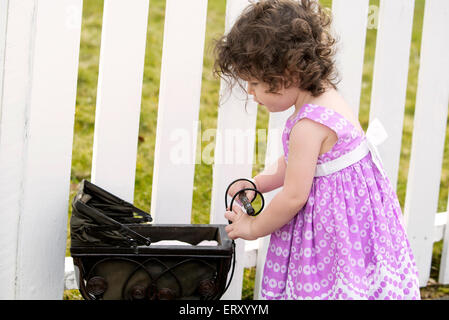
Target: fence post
{"x": 231, "y": 163}
{"x": 429, "y": 129}
{"x": 37, "y": 116}
{"x": 3, "y": 19}
{"x": 179, "y": 105}
{"x": 117, "y": 113}
{"x": 350, "y": 22}
{"x": 443, "y": 276}
{"x": 389, "y": 88}
{"x": 14, "y": 55}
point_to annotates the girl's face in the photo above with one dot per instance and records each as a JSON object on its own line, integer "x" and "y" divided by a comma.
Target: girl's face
{"x": 274, "y": 102}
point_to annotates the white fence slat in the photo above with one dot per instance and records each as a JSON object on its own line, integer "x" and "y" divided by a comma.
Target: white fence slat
{"x": 179, "y": 102}
{"x": 440, "y": 226}
{"x": 428, "y": 135}
{"x": 49, "y": 120}
{"x": 349, "y": 24}
{"x": 234, "y": 150}
{"x": 444, "y": 263}
{"x": 16, "y": 41}
{"x": 3, "y": 19}
{"x": 274, "y": 151}
{"x": 390, "y": 77}
{"x": 122, "y": 55}
{"x": 71, "y": 276}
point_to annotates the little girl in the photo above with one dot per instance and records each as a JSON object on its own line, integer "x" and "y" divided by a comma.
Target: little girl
{"x": 336, "y": 225}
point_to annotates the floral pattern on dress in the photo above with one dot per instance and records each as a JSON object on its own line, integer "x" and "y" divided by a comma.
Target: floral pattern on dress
{"x": 349, "y": 239}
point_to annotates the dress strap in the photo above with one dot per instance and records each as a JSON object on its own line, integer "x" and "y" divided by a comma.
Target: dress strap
{"x": 325, "y": 116}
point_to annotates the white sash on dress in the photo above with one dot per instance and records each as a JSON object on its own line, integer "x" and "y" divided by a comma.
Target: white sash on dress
{"x": 375, "y": 135}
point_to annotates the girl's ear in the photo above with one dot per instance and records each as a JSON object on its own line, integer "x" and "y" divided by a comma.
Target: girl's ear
{"x": 290, "y": 80}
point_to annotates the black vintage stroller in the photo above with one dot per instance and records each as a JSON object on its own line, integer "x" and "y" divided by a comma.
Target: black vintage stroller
{"x": 111, "y": 245}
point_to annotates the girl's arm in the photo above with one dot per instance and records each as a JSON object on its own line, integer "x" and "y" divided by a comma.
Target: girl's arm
{"x": 306, "y": 139}
{"x": 272, "y": 177}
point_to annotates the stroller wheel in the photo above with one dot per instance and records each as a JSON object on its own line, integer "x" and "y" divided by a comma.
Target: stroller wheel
{"x": 138, "y": 292}
{"x": 96, "y": 286}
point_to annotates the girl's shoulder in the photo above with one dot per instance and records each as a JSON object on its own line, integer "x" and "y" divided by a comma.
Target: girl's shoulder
{"x": 337, "y": 117}
{"x": 341, "y": 134}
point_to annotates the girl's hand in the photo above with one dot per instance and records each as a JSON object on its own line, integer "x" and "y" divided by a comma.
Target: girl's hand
{"x": 241, "y": 224}
{"x": 240, "y": 185}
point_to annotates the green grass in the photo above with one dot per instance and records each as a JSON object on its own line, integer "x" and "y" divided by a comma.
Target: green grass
{"x": 86, "y": 100}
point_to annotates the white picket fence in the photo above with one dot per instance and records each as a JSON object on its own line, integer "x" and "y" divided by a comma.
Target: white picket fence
{"x": 39, "y": 54}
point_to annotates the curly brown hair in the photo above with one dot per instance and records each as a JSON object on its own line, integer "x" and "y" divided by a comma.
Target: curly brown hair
{"x": 281, "y": 43}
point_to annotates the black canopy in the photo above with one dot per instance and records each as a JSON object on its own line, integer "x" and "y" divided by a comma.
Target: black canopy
{"x": 100, "y": 218}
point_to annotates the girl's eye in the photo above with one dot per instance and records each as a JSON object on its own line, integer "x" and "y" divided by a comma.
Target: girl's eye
{"x": 254, "y": 83}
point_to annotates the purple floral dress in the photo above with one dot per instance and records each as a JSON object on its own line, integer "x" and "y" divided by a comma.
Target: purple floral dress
{"x": 349, "y": 240}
